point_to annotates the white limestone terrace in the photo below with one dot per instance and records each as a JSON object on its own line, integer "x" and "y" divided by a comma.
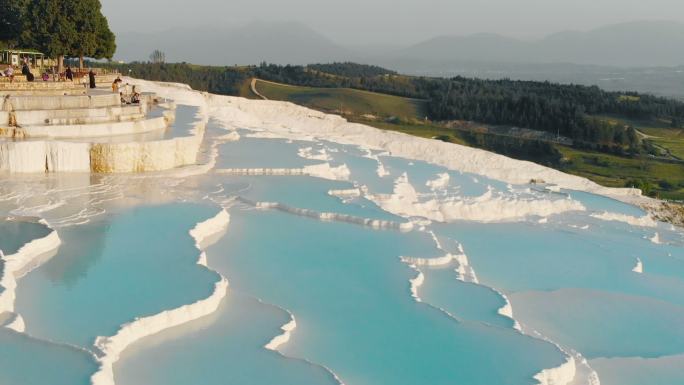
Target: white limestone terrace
{"x": 92, "y": 132}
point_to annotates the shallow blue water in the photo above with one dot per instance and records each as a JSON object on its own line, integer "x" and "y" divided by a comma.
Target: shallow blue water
{"x": 630, "y": 326}
{"x": 136, "y": 264}
{"x": 521, "y": 257}
{"x": 467, "y": 301}
{"x": 347, "y": 286}
{"x": 419, "y": 173}
{"x": 598, "y": 203}
{"x": 636, "y": 371}
{"x": 263, "y": 153}
{"x": 366, "y": 286}
{"x": 16, "y": 233}
{"x": 186, "y": 116}
{"x": 26, "y": 361}
{"x": 224, "y": 348}
{"x": 305, "y": 193}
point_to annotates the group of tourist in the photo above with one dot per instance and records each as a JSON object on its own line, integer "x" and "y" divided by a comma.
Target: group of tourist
{"x": 127, "y": 97}
{"x": 68, "y": 74}
{"x": 47, "y": 73}
{"x": 25, "y": 70}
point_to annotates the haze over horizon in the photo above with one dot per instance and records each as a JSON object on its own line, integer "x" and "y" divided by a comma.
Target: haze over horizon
{"x": 530, "y": 40}
{"x": 391, "y": 22}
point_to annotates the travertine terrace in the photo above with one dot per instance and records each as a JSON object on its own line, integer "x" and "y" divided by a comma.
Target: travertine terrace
{"x": 67, "y": 127}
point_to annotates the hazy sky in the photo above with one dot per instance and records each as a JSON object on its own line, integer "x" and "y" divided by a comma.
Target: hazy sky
{"x": 388, "y": 21}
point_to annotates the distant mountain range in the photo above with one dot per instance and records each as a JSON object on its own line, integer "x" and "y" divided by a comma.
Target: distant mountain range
{"x": 636, "y": 44}
{"x": 279, "y": 43}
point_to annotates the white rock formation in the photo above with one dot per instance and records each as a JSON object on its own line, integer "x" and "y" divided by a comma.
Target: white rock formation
{"x": 645, "y": 221}
{"x": 406, "y": 202}
{"x": 639, "y": 267}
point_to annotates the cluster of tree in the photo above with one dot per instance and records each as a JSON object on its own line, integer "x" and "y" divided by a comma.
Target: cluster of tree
{"x": 645, "y": 186}
{"x": 217, "y": 80}
{"x": 351, "y": 70}
{"x": 517, "y": 148}
{"x": 568, "y": 110}
{"x": 57, "y": 28}
{"x": 11, "y": 21}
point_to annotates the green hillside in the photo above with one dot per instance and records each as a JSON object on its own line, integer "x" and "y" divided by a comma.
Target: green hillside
{"x": 346, "y": 101}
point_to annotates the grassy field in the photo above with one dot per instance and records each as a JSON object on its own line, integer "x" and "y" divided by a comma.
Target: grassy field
{"x": 358, "y": 106}
{"x": 617, "y": 171}
{"x": 429, "y": 131}
{"x": 246, "y": 90}
{"x": 659, "y": 133}
{"x": 346, "y": 101}
{"x": 671, "y": 139}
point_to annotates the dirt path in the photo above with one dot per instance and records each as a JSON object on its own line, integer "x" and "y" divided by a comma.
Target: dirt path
{"x": 252, "y": 85}
{"x": 645, "y": 136}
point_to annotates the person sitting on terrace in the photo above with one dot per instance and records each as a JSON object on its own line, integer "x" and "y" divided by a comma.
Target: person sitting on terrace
{"x": 46, "y": 76}
{"x": 123, "y": 98}
{"x": 135, "y": 96}
{"x": 9, "y": 72}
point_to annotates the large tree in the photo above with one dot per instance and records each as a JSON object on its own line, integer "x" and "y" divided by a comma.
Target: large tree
{"x": 11, "y": 21}
{"x": 50, "y": 28}
{"x": 157, "y": 57}
{"x": 106, "y": 41}
{"x": 68, "y": 28}
{"x": 95, "y": 40}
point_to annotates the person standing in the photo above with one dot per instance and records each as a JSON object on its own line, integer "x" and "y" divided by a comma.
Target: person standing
{"x": 26, "y": 71}
{"x": 91, "y": 78}
{"x": 69, "y": 74}
{"x": 115, "y": 85}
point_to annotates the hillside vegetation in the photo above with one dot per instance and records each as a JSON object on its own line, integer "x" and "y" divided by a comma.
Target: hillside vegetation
{"x": 351, "y": 70}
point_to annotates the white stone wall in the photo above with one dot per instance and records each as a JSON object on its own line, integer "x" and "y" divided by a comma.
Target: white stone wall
{"x": 147, "y": 156}
{"x": 60, "y": 156}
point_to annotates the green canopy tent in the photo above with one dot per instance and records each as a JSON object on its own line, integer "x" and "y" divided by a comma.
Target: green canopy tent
{"x": 15, "y": 57}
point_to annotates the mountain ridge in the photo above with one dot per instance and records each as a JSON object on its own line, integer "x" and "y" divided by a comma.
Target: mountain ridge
{"x": 632, "y": 44}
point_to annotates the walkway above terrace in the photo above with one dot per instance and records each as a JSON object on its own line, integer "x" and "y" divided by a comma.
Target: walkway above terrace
{"x": 19, "y": 85}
